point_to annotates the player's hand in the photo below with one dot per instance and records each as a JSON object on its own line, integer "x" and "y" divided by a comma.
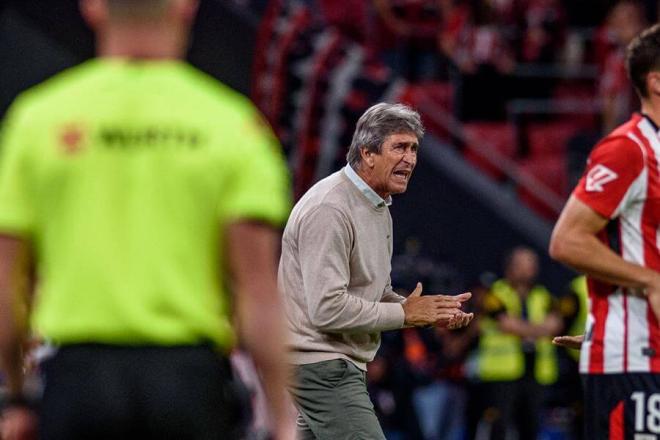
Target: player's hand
{"x": 653, "y": 296}
{"x": 18, "y": 423}
{"x": 436, "y": 310}
{"x": 574, "y": 342}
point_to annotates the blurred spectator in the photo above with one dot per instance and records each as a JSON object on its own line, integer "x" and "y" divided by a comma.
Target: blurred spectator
{"x": 390, "y": 383}
{"x": 615, "y": 92}
{"x": 405, "y": 36}
{"x": 516, "y": 357}
{"x": 625, "y": 20}
{"x": 314, "y": 75}
{"x": 473, "y": 41}
{"x": 543, "y": 26}
{"x": 349, "y": 17}
{"x": 572, "y": 306}
{"x": 433, "y": 357}
{"x": 578, "y": 148}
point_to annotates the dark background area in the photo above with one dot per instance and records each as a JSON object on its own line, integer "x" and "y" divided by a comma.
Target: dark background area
{"x": 39, "y": 38}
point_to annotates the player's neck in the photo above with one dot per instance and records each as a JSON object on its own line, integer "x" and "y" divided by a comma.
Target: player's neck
{"x": 141, "y": 42}
{"x": 651, "y": 108}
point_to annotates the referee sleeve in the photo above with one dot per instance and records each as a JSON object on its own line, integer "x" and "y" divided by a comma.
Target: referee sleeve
{"x": 16, "y": 202}
{"x": 258, "y": 184}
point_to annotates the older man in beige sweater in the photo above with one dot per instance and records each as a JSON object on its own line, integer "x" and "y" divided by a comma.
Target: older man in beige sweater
{"x": 335, "y": 276}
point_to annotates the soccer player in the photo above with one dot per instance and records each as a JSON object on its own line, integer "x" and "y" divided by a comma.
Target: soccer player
{"x": 609, "y": 230}
{"x": 143, "y": 191}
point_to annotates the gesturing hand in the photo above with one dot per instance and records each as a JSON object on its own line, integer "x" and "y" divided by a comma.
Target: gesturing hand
{"x": 574, "y": 342}
{"x": 439, "y": 310}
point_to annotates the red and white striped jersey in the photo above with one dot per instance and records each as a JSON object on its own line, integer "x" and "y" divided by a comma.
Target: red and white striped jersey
{"x": 622, "y": 183}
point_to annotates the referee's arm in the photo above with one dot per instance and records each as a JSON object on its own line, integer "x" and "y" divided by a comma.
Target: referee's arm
{"x": 252, "y": 250}
{"x": 14, "y": 274}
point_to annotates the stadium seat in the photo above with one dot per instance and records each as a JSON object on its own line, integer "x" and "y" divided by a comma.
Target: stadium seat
{"x": 550, "y": 170}
{"x": 497, "y": 137}
{"x": 550, "y": 138}
{"x": 430, "y": 98}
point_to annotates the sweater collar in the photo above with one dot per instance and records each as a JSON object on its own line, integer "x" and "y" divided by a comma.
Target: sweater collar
{"x": 365, "y": 189}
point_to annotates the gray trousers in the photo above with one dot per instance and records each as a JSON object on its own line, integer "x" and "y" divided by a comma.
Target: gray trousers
{"x": 333, "y": 402}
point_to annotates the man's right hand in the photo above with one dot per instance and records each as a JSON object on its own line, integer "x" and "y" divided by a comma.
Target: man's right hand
{"x": 435, "y": 310}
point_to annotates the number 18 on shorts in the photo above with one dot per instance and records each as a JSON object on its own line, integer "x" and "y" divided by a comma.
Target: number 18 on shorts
{"x": 622, "y": 406}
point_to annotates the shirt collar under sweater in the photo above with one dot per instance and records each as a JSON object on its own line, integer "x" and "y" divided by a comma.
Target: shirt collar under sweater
{"x": 365, "y": 189}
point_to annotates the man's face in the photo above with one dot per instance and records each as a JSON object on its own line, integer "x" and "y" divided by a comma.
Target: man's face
{"x": 524, "y": 267}
{"x": 394, "y": 165}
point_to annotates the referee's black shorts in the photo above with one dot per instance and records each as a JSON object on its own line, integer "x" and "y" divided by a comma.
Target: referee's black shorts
{"x": 622, "y": 406}
{"x": 117, "y": 392}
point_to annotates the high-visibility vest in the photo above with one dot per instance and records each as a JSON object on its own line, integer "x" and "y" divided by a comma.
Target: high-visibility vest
{"x": 579, "y": 286}
{"x": 501, "y": 355}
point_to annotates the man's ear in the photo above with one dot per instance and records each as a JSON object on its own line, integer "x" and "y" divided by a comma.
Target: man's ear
{"x": 653, "y": 83}
{"x": 367, "y": 157}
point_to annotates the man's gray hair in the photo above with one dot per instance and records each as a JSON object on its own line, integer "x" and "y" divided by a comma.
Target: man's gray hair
{"x": 377, "y": 123}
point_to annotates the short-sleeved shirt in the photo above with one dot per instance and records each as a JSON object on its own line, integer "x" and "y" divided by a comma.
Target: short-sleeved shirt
{"x": 621, "y": 183}
{"x": 123, "y": 175}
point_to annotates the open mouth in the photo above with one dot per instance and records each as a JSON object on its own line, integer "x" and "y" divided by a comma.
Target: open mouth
{"x": 404, "y": 174}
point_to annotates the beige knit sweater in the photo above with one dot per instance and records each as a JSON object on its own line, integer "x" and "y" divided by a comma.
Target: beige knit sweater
{"x": 335, "y": 274}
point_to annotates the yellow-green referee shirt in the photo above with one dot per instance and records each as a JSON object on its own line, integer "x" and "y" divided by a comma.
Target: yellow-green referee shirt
{"x": 123, "y": 174}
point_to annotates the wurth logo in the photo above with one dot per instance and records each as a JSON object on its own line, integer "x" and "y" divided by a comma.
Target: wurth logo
{"x": 599, "y": 176}
{"x": 71, "y": 138}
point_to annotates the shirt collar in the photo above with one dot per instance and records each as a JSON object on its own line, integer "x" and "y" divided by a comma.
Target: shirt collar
{"x": 365, "y": 189}
{"x": 652, "y": 122}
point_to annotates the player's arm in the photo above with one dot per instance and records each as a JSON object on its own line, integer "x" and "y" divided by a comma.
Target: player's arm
{"x": 252, "y": 249}
{"x": 574, "y": 242}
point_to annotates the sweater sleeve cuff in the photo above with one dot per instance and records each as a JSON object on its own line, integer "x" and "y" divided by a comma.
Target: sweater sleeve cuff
{"x": 391, "y": 316}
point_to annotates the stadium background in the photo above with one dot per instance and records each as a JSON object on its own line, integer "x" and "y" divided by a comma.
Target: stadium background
{"x": 513, "y": 93}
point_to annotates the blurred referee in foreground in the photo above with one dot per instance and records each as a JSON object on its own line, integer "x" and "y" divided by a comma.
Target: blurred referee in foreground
{"x": 140, "y": 191}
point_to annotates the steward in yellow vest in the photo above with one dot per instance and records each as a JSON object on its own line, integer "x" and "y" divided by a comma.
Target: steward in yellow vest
{"x": 514, "y": 329}
{"x": 516, "y": 357}
{"x": 573, "y": 308}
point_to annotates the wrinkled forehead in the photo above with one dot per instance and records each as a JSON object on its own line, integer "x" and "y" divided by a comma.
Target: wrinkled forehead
{"x": 404, "y": 138}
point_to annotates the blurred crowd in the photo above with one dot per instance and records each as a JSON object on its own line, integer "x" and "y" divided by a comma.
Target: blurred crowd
{"x": 536, "y": 82}
{"x": 533, "y": 81}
